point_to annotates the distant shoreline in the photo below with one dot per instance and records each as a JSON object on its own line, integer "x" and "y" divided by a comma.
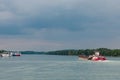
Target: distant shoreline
{"x": 103, "y": 51}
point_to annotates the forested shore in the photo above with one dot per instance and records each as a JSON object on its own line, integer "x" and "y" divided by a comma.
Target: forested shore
{"x": 103, "y": 51}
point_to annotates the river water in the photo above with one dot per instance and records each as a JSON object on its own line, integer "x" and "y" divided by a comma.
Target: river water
{"x": 51, "y": 67}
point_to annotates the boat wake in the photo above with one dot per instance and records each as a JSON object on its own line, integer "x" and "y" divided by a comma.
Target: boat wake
{"x": 103, "y": 61}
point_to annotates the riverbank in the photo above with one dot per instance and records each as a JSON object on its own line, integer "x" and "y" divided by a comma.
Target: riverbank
{"x": 103, "y": 51}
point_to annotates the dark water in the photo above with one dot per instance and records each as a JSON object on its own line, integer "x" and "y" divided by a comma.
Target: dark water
{"x": 50, "y": 67}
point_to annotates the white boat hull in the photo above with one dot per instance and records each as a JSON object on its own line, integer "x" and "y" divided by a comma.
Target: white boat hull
{"x": 5, "y": 55}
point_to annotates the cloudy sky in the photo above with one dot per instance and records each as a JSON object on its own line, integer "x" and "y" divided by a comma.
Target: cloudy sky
{"x": 43, "y": 25}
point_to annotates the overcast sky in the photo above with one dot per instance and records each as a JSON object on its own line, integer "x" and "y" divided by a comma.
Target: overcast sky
{"x": 43, "y": 25}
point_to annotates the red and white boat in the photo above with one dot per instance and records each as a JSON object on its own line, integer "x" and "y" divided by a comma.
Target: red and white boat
{"x": 9, "y": 54}
{"x": 15, "y": 54}
{"x": 94, "y": 57}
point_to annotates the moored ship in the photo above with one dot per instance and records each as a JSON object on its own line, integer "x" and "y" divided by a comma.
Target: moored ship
{"x": 15, "y": 54}
{"x": 9, "y": 54}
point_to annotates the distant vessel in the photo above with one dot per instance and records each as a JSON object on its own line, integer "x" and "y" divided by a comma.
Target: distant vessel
{"x": 5, "y": 55}
{"x": 9, "y": 54}
{"x": 15, "y": 54}
{"x": 94, "y": 57}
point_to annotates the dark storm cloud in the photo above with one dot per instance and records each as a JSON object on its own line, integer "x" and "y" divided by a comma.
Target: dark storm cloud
{"x": 64, "y": 21}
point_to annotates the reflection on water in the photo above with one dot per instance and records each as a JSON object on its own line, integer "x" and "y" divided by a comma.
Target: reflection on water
{"x": 50, "y": 67}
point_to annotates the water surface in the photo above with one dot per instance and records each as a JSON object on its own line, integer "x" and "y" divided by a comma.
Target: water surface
{"x": 51, "y": 67}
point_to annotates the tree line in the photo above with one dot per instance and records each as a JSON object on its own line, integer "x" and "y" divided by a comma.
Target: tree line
{"x": 103, "y": 51}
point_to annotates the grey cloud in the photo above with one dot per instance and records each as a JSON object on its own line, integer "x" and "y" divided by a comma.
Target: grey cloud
{"x": 77, "y": 15}
{"x": 80, "y": 22}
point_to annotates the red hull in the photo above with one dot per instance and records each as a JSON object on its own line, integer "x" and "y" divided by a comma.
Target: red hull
{"x": 16, "y": 55}
{"x": 100, "y": 58}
